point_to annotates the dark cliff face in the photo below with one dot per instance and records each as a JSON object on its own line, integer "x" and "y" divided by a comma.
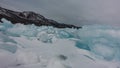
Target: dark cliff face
{"x": 28, "y": 17}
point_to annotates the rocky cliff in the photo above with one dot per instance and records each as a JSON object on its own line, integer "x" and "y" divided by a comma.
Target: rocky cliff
{"x": 29, "y": 17}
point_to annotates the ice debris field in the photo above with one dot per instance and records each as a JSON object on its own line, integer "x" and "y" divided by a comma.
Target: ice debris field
{"x": 29, "y": 46}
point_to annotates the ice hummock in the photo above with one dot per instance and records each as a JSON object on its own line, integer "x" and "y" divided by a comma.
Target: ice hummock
{"x": 29, "y": 46}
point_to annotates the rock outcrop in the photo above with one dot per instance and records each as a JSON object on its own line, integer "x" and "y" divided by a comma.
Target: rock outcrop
{"x": 29, "y": 17}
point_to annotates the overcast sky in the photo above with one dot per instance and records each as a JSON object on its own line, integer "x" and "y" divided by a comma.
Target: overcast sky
{"x": 78, "y": 12}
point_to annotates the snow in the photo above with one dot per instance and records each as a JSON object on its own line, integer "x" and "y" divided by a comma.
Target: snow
{"x": 29, "y": 46}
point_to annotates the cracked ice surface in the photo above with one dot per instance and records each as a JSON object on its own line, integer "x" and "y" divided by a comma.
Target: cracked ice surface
{"x": 28, "y": 46}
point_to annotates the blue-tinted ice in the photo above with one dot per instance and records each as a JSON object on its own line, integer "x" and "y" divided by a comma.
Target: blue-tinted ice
{"x": 102, "y": 42}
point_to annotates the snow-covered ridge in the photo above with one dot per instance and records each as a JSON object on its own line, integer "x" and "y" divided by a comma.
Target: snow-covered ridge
{"x": 29, "y": 46}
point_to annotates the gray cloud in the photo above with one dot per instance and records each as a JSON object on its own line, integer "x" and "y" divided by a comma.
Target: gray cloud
{"x": 78, "y": 12}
